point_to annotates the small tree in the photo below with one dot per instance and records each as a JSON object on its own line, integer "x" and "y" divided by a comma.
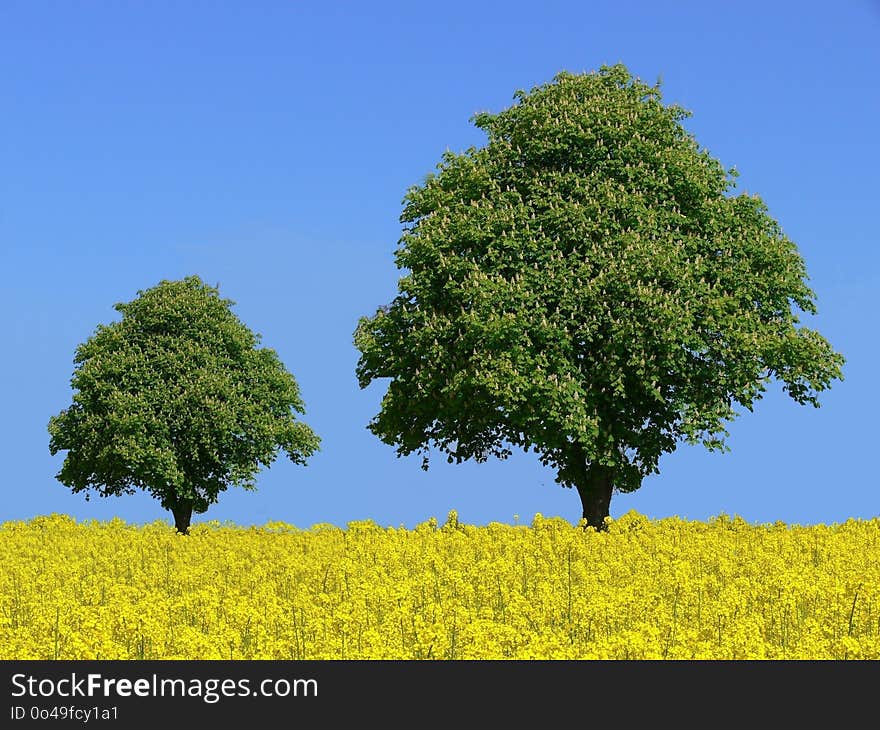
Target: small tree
{"x": 583, "y": 286}
{"x": 177, "y": 399}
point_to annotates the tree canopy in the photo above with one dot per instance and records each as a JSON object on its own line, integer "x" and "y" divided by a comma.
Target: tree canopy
{"x": 587, "y": 286}
{"x": 177, "y": 399}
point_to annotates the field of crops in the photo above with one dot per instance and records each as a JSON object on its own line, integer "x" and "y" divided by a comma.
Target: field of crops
{"x": 645, "y": 589}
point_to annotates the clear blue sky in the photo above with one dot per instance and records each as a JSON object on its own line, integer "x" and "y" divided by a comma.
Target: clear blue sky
{"x": 266, "y": 146}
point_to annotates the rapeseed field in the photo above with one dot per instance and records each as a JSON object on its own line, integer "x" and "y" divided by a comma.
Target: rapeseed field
{"x": 644, "y": 589}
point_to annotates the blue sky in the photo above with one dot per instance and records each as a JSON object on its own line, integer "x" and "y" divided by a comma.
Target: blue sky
{"x": 266, "y": 147}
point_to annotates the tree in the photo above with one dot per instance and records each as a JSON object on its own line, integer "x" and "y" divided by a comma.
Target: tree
{"x": 177, "y": 399}
{"x": 584, "y": 286}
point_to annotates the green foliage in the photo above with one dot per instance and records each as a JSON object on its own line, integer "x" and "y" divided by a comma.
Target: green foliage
{"x": 177, "y": 399}
{"x": 586, "y": 286}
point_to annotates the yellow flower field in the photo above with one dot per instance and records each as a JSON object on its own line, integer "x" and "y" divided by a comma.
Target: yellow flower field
{"x": 645, "y": 589}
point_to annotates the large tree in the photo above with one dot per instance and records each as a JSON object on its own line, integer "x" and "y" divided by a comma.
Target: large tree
{"x": 176, "y": 399}
{"x": 587, "y": 286}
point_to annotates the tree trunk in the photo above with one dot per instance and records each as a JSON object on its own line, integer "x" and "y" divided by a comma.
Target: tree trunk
{"x": 595, "y": 492}
{"x": 182, "y": 515}
{"x": 594, "y": 483}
